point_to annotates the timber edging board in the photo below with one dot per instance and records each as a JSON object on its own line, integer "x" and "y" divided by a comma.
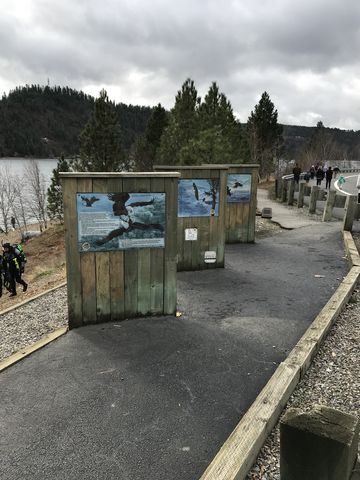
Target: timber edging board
{"x": 31, "y": 299}
{"x": 239, "y": 452}
{"x": 24, "y": 352}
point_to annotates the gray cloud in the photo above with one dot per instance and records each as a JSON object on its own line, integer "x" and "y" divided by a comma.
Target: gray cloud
{"x": 304, "y": 53}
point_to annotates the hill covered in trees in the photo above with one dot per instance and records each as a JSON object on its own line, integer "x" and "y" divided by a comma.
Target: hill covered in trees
{"x": 42, "y": 122}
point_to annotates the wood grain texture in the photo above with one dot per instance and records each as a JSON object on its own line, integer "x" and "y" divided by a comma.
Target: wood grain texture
{"x": 114, "y": 285}
{"x": 73, "y": 268}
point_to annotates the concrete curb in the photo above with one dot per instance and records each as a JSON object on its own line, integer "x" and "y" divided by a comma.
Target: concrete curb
{"x": 24, "y": 352}
{"x": 10, "y": 309}
{"x": 239, "y": 452}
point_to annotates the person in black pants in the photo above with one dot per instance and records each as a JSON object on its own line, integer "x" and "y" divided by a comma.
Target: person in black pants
{"x": 328, "y": 177}
{"x": 12, "y": 267}
{"x": 296, "y": 173}
{"x": 319, "y": 176}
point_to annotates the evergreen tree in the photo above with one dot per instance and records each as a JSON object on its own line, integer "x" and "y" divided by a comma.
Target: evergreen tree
{"x": 183, "y": 125}
{"x": 54, "y": 193}
{"x": 219, "y": 125}
{"x": 100, "y": 141}
{"x": 146, "y": 145}
{"x": 264, "y": 135}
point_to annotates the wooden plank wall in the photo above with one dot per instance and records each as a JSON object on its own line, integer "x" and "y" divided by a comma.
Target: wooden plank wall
{"x": 114, "y": 285}
{"x": 211, "y": 230}
{"x": 240, "y": 217}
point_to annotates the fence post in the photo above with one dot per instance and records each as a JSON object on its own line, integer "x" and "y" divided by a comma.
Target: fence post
{"x": 318, "y": 445}
{"x": 350, "y": 208}
{"x": 313, "y": 198}
{"x": 300, "y": 202}
{"x": 291, "y": 192}
{"x": 329, "y": 205}
{"x": 284, "y": 191}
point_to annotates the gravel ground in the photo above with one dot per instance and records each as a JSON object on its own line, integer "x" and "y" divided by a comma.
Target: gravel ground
{"x": 332, "y": 380}
{"x": 27, "y": 324}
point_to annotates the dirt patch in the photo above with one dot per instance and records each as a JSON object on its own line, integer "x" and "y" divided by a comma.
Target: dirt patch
{"x": 45, "y": 267}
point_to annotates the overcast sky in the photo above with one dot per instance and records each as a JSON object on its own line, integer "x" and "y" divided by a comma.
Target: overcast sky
{"x": 305, "y": 54}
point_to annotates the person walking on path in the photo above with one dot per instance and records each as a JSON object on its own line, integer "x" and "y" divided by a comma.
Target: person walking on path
{"x": 319, "y": 176}
{"x": 328, "y": 177}
{"x": 341, "y": 181}
{"x": 312, "y": 172}
{"x": 336, "y": 170}
{"x": 296, "y": 173}
{"x": 12, "y": 268}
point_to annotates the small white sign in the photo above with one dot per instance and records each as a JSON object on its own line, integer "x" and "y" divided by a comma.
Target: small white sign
{"x": 191, "y": 234}
{"x": 210, "y": 257}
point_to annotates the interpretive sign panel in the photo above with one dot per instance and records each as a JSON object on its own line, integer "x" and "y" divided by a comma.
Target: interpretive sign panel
{"x": 120, "y": 221}
{"x": 199, "y": 198}
{"x": 238, "y": 188}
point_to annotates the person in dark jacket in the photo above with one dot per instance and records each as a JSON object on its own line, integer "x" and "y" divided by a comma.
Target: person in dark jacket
{"x": 296, "y": 173}
{"x": 319, "y": 175}
{"x": 328, "y": 177}
{"x": 1, "y": 274}
{"x": 12, "y": 268}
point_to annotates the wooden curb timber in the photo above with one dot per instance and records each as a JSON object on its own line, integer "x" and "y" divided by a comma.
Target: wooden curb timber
{"x": 239, "y": 452}
{"x": 10, "y": 309}
{"x": 24, "y": 352}
{"x": 350, "y": 249}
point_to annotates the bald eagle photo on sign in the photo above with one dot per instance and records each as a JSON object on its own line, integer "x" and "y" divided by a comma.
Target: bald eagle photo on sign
{"x": 238, "y": 188}
{"x": 120, "y": 221}
{"x": 198, "y": 198}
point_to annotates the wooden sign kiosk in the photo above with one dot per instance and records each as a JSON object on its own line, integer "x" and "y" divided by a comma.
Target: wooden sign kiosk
{"x": 201, "y": 216}
{"x": 240, "y": 209}
{"x": 120, "y": 236}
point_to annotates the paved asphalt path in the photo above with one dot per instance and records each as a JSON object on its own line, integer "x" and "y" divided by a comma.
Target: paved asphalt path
{"x": 155, "y": 398}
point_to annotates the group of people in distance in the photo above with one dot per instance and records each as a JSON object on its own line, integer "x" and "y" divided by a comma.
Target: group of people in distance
{"x": 317, "y": 171}
{"x": 12, "y": 266}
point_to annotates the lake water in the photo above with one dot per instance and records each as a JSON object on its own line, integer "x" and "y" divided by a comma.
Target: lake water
{"x": 17, "y": 166}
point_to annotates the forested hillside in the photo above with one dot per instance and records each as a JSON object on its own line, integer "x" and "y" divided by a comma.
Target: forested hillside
{"x": 46, "y": 121}
{"x": 298, "y": 137}
{"x": 43, "y": 122}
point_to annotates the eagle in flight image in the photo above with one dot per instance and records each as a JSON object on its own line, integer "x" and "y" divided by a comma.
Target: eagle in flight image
{"x": 88, "y": 202}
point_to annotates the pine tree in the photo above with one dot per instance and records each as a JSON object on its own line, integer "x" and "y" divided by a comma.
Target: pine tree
{"x": 100, "y": 141}
{"x": 264, "y": 135}
{"x": 146, "y": 145}
{"x": 182, "y": 127}
{"x": 219, "y": 125}
{"x": 54, "y": 193}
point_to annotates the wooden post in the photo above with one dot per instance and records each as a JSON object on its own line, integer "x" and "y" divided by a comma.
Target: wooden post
{"x": 291, "y": 192}
{"x": 349, "y": 215}
{"x": 313, "y": 198}
{"x": 280, "y": 188}
{"x": 119, "y": 263}
{"x": 329, "y": 205}
{"x": 284, "y": 190}
{"x": 300, "y": 202}
{"x": 318, "y": 445}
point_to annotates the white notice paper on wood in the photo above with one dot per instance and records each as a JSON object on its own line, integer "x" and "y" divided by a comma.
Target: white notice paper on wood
{"x": 191, "y": 234}
{"x": 210, "y": 257}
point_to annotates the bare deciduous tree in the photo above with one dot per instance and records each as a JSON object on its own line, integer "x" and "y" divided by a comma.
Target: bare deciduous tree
{"x": 37, "y": 192}
{"x": 7, "y": 195}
